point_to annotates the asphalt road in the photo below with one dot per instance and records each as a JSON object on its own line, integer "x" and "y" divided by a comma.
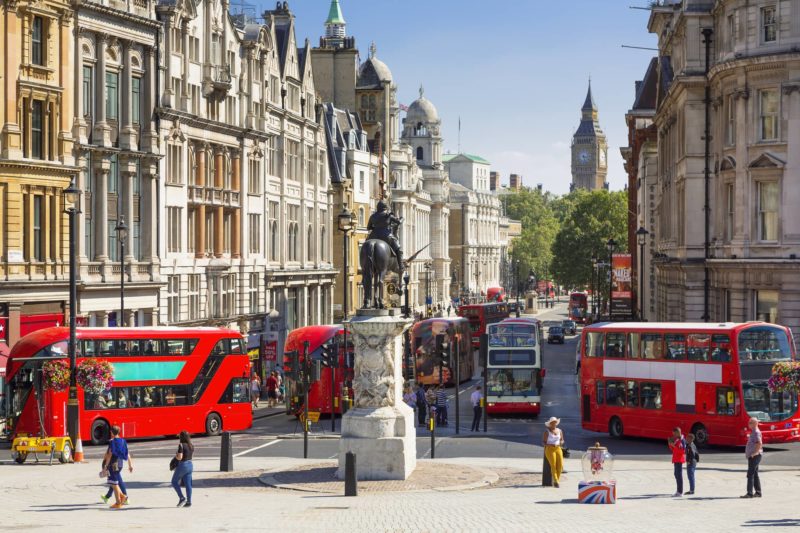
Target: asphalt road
{"x": 280, "y": 435}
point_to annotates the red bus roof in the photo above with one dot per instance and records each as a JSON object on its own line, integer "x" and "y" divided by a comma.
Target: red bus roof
{"x": 31, "y": 343}
{"x": 315, "y": 335}
{"x": 439, "y": 319}
{"x": 675, "y": 326}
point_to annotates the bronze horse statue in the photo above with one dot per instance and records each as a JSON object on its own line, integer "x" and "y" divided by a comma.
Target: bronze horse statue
{"x": 377, "y": 260}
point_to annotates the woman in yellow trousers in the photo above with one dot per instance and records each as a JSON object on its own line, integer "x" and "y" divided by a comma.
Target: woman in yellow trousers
{"x": 553, "y": 440}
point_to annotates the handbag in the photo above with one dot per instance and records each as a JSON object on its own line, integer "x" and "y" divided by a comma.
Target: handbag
{"x": 173, "y": 464}
{"x": 104, "y": 472}
{"x": 565, "y": 452}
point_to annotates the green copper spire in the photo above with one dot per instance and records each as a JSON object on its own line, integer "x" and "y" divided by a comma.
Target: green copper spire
{"x": 335, "y": 14}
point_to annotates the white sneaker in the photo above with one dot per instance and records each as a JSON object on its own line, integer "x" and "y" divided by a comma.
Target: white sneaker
{"x": 677, "y": 495}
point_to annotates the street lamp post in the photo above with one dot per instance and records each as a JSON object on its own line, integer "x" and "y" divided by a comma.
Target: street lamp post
{"x": 516, "y": 284}
{"x": 345, "y": 222}
{"x": 428, "y": 299}
{"x": 641, "y": 238}
{"x": 72, "y": 198}
{"x": 593, "y": 285}
{"x": 610, "y": 244}
{"x": 122, "y": 235}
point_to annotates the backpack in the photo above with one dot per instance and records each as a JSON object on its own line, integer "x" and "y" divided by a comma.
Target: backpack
{"x": 421, "y": 397}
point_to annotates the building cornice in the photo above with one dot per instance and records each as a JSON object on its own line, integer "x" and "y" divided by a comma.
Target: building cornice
{"x": 755, "y": 62}
{"x": 190, "y": 120}
{"x": 124, "y": 15}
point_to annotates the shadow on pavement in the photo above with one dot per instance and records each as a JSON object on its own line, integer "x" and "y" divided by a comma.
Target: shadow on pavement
{"x": 783, "y": 522}
{"x": 565, "y": 500}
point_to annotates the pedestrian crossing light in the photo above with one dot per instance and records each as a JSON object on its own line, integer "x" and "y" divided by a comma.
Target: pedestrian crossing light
{"x": 443, "y": 349}
{"x": 330, "y": 356}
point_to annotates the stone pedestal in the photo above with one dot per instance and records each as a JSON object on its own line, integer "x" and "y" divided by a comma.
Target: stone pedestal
{"x": 380, "y": 428}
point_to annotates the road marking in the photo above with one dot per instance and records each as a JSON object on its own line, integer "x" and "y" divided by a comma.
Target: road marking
{"x": 269, "y": 443}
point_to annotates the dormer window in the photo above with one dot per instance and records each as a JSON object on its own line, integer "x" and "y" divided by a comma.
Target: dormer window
{"x": 37, "y": 41}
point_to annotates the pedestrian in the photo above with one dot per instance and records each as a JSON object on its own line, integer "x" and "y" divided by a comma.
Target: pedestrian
{"x": 272, "y": 389}
{"x": 409, "y": 397}
{"x": 678, "y": 446}
{"x": 183, "y": 472}
{"x": 692, "y": 458}
{"x": 753, "y": 451}
{"x": 422, "y": 405}
{"x": 441, "y": 405}
{"x": 255, "y": 390}
{"x": 553, "y": 440}
{"x": 114, "y": 461}
{"x": 477, "y": 408}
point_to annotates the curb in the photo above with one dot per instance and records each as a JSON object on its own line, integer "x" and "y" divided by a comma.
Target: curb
{"x": 293, "y": 436}
{"x": 268, "y": 415}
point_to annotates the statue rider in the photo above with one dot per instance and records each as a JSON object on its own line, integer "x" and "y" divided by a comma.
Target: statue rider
{"x": 381, "y": 226}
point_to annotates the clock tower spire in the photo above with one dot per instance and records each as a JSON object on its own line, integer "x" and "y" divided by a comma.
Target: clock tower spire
{"x": 589, "y": 149}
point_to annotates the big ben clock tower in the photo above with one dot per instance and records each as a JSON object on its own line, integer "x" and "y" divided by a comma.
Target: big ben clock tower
{"x": 589, "y": 150}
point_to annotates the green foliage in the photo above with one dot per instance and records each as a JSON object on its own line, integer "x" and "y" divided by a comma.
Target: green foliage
{"x": 590, "y": 218}
{"x": 533, "y": 248}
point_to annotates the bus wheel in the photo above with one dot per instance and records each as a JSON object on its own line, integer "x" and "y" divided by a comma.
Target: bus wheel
{"x": 100, "y": 432}
{"x": 615, "y": 427}
{"x": 66, "y": 454}
{"x": 20, "y": 457}
{"x": 700, "y": 435}
{"x": 213, "y": 424}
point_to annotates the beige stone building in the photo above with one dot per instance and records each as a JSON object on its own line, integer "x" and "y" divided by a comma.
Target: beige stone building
{"x": 754, "y": 160}
{"x": 36, "y": 162}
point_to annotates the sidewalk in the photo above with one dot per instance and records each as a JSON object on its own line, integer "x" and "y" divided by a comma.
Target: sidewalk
{"x": 68, "y": 497}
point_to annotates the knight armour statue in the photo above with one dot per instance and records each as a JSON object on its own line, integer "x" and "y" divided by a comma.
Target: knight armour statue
{"x": 381, "y": 226}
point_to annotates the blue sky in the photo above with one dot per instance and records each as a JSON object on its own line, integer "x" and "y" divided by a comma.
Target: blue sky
{"x": 515, "y": 71}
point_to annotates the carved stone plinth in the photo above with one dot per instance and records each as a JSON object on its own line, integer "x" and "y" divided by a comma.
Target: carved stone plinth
{"x": 380, "y": 428}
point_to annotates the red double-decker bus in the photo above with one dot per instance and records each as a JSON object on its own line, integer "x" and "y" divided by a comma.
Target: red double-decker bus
{"x": 644, "y": 379}
{"x": 578, "y": 306}
{"x": 319, "y": 394}
{"x": 495, "y": 294}
{"x": 459, "y": 337}
{"x": 166, "y": 380}
{"x": 481, "y": 315}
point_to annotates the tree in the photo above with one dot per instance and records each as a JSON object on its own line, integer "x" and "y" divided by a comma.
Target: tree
{"x": 533, "y": 248}
{"x": 590, "y": 219}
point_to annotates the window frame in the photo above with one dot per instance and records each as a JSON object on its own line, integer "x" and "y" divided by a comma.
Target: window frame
{"x": 774, "y": 115}
{"x": 38, "y": 41}
{"x": 761, "y": 231}
{"x": 766, "y": 26}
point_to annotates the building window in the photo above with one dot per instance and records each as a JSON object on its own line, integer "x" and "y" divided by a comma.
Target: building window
{"x": 730, "y": 122}
{"x": 191, "y": 229}
{"x": 194, "y": 49}
{"x": 88, "y": 94}
{"x": 37, "y": 41}
{"x": 272, "y": 157}
{"x": 255, "y": 233}
{"x": 194, "y": 296}
{"x": 273, "y": 231}
{"x": 253, "y": 290}
{"x": 321, "y": 160}
{"x": 174, "y": 229}
{"x": 309, "y": 166}
{"x": 768, "y": 105}
{"x": 229, "y": 295}
{"x": 310, "y": 243}
{"x": 323, "y": 235}
{"x": 227, "y": 232}
{"x": 766, "y": 306}
{"x": 194, "y": 94}
{"x": 112, "y": 95}
{"x": 292, "y": 160}
{"x": 361, "y": 181}
{"x": 136, "y": 100}
{"x": 769, "y": 24}
{"x": 292, "y": 233}
{"x": 230, "y": 110}
{"x": 368, "y": 108}
{"x": 731, "y": 32}
{"x": 361, "y": 217}
{"x": 37, "y": 130}
{"x": 768, "y": 201}
{"x": 420, "y": 153}
{"x": 254, "y": 178}
{"x": 291, "y": 309}
{"x": 173, "y": 298}
{"x": 275, "y": 90}
{"x": 730, "y": 203}
{"x": 210, "y": 233}
{"x": 37, "y": 224}
{"x": 294, "y": 98}
{"x": 175, "y": 164}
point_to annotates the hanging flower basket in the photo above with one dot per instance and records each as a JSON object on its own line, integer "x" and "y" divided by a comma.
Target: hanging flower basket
{"x": 785, "y": 377}
{"x": 55, "y": 375}
{"x": 95, "y": 375}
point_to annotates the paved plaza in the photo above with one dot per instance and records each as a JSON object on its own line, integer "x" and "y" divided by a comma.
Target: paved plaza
{"x": 68, "y": 497}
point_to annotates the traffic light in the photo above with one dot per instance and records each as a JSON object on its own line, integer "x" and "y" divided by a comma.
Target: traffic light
{"x": 443, "y": 349}
{"x": 330, "y": 355}
{"x": 291, "y": 364}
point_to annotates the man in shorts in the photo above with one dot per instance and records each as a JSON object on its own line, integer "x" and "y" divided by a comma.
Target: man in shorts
{"x": 272, "y": 389}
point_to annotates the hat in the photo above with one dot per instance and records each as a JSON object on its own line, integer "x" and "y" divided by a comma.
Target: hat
{"x": 553, "y": 419}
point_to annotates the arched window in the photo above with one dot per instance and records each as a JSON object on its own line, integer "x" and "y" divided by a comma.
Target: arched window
{"x": 322, "y": 247}
{"x": 273, "y": 247}
{"x": 310, "y": 243}
{"x": 420, "y": 153}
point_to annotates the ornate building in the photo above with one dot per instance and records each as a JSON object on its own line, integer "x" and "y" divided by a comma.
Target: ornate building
{"x": 36, "y": 163}
{"x": 117, "y": 151}
{"x": 753, "y": 159}
{"x": 589, "y": 149}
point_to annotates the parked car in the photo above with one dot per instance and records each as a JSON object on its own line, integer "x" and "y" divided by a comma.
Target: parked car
{"x": 555, "y": 334}
{"x": 570, "y": 327}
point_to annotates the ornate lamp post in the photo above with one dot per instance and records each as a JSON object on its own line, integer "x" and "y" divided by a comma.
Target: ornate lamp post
{"x": 346, "y": 221}
{"x": 610, "y": 244}
{"x": 122, "y": 235}
{"x": 428, "y": 298}
{"x": 641, "y": 238}
{"x": 72, "y": 206}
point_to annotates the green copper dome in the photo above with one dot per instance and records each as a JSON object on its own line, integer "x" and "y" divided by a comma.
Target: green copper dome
{"x": 335, "y": 14}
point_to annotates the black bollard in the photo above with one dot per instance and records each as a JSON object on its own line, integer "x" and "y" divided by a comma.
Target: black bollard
{"x": 547, "y": 474}
{"x": 226, "y": 453}
{"x": 350, "y": 478}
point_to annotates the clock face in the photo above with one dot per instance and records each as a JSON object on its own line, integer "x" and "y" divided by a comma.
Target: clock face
{"x": 602, "y": 157}
{"x": 584, "y": 156}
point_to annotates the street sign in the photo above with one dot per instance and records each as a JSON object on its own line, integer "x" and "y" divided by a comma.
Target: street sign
{"x": 271, "y": 351}
{"x": 428, "y": 300}
{"x": 313, "y": 417}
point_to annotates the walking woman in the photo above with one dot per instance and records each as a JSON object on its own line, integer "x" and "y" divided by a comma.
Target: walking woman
{"x": 184, "y": 470}
{"x": 553, "y": 440}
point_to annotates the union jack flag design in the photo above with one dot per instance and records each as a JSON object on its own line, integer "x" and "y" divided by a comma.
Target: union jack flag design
{"x": 597, "y": 492}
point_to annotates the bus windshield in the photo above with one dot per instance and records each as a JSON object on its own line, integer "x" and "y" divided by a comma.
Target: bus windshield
{"x": 512, "y": 382}
{"x": 768, "y": 406}
{"x": 512, "y": 335}
{"x": 764, "y": 343}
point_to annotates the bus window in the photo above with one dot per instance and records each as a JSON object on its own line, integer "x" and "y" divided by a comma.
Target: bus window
{"x": 720, "y": 348}
{"x": 615, "y": 345}
{"x": 633, "y": 394}
{"x": 88, "y": 348}
{"x": 676, "y": 346}
{"x": 633, "y": 346}
{"x": 764, "y": 343}
{"x": 594, "y": 344}
{"x": 652, "y": 347}
{"x": 651, "y": 395}
{"x": 697, "y": 346}
{"x": 106, "y": 348}
{"x": 237, "y": 391}
{"x": 726, "y": 401}
{"x": 600, "y": 392}
{"x": 615, "y": 393}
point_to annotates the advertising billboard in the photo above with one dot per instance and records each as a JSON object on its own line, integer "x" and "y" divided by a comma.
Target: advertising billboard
{"x": 621, "y": 286}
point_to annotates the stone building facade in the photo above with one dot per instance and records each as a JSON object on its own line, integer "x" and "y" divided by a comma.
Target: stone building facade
{"x": 36, "y": 163}
{"x": 754, "y": 160}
